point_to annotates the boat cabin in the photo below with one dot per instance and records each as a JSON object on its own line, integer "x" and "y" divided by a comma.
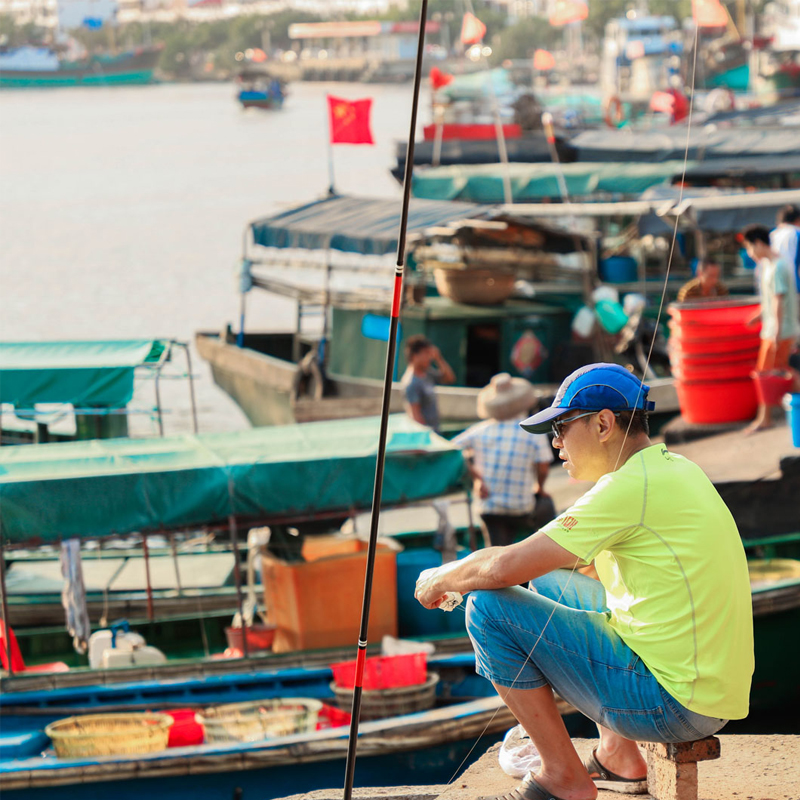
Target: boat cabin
{"x": 334, "y": 258}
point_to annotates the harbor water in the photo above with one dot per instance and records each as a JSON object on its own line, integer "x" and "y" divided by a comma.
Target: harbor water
{"x": 122, "y": 210}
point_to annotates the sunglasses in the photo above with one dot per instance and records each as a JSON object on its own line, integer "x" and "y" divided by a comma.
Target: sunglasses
{"x": 558, "y": 424}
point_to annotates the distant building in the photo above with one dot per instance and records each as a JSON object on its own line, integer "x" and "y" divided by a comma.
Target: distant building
{"x": 522, "y": 9}
{"x": 384, "y": 41}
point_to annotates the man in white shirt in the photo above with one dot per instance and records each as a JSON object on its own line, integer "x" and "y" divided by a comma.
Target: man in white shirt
{"x": 785, "y": 240}
{"x": 780, "y": 319}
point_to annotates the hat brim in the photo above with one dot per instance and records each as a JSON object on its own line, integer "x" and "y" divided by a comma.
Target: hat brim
{"x": 540, "y": 422}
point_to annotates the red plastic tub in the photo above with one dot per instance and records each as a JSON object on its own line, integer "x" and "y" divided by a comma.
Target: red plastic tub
{"x": 383, "y": 672}
{"x": 693, "y": 333}
{"x": 733, "y": 311}
{"x": 709, "y": 402}
{"x": 686, "y": 371}
{"x": 710, "y": 346}
{"x": 678, "y": 356}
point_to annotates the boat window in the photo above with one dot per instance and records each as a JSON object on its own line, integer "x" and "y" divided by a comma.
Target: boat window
{"x": 483, "y": 353}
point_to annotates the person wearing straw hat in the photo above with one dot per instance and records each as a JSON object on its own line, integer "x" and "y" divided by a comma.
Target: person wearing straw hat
{"x": 660, "y": 648}
{"x": 505, "y": 459}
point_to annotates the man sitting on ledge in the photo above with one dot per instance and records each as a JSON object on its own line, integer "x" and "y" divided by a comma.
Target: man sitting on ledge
{"x": 661, "y": 648}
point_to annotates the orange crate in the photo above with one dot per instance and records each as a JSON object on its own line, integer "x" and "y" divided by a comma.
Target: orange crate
{"x": 317, "y": 604}
{"x": 383, "y": 672}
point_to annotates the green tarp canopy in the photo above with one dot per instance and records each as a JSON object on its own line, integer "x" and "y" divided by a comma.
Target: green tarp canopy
{"x": 483, "y": 183}
{"x": 117, "y": 486}
{"x": 80, "y": 373}
{"x": 354, "y": 224}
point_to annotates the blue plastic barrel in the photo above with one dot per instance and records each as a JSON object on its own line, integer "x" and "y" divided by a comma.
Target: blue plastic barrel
{"x": 618, "y": 269}
{"x": 794, "y": 418}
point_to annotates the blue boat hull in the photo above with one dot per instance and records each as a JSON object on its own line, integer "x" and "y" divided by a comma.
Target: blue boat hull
{"x": 429, "y": 766}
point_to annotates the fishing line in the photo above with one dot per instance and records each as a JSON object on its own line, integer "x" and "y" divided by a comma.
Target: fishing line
{"x": 674, "y": 240}
{"x": 630, "y": 422}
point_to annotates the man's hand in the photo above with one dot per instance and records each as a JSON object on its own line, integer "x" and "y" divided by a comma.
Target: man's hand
{"x": 427, "y": 592}
{"x": 447, "y": 374}
{"x": 480, "y": 488}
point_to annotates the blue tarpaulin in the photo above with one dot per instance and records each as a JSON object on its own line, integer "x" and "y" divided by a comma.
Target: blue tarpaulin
{"x": 354, "y": 224}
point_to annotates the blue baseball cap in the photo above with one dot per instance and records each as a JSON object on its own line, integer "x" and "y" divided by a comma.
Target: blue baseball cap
{"x": 590, "y": 388}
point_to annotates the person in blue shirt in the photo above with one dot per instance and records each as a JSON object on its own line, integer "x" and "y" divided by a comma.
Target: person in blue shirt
{"x": 426, "y": 368}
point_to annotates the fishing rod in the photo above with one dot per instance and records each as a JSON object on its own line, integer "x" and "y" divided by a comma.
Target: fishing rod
{"x": 391, "y": 349}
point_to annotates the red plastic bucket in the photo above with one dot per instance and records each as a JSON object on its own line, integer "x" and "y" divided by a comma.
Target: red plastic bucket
{"x": 772, "y": 386}
{"x": 185, "y": 731}
{"x": 259, "y": 637}
{"x": 677, "y": 355}
{"x": 709, "y": 402}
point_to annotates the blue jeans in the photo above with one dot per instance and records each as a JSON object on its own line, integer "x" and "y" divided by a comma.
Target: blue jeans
{"x": 578, "y": 654}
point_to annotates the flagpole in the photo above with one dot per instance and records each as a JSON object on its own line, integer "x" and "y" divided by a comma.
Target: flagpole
{"x": 384, "y": 420}
{"x": 331, "y": 187}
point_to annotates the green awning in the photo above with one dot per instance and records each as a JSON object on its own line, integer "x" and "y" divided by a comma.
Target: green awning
{"x": 80, "y": 373}
{"x": 483, "y": 183}
{"x": 117, "y": 486}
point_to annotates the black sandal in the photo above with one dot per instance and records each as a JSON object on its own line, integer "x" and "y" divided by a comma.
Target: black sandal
{"x": 610, "y": 780}
{"x": 529, "y": 789}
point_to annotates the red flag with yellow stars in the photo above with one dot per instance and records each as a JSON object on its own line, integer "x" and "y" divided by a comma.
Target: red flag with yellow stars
{"x": 349, "y": 121}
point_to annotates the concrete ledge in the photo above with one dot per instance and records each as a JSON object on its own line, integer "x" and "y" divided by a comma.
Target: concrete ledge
{"x": 750, "y": 768}
{"x": 379, "y": 793}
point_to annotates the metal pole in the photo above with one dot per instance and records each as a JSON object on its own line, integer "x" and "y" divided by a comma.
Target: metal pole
{"x": 174, "y": 549}
{"x": 331, "y": 188}
{"x": 237, "y": 573}
{"x": 191, "y": 386}
{"x": 508, "y": 196}
{"x": 6, "y": 624}
{"x": 150, "y": 614}
{"x": 237, "y": 570}
{"x": 391, "y": 349}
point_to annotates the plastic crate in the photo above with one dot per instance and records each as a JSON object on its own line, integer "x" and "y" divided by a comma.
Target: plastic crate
{"x": 383, "y": 672}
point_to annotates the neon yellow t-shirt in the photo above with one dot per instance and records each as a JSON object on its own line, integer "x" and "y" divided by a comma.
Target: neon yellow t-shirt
{"x": 669, "y": 555}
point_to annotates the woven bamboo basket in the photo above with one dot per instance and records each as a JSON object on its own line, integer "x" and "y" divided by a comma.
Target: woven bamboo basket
{"x": 109, "y": 734}
{"x": 382, "y": 703}
{"x": 262, "y": 719}
{"x": 483, "y": 287}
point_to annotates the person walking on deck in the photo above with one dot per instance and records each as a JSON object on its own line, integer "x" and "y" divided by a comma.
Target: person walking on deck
{"x": 509, "y": 466}
{"x": 661, "y": 647}
{"x": 780, "y": 318}
{"x": 426, "y": 368}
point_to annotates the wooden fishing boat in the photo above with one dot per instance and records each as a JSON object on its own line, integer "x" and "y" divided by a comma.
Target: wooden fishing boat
{"x": 90, "y": 382}
{"x": 422, "y": 747}
{"x": 260, "y": 89}
{"x": 32, "y": 67}
{"x": 331, "y": 258}
{"x": 310, "y": 478}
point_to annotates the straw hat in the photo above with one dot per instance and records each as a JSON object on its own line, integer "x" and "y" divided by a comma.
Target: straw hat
{"x": 505, "y": 397}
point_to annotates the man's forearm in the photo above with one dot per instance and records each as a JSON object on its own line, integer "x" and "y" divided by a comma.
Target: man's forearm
{"x": 494, "y": 568}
